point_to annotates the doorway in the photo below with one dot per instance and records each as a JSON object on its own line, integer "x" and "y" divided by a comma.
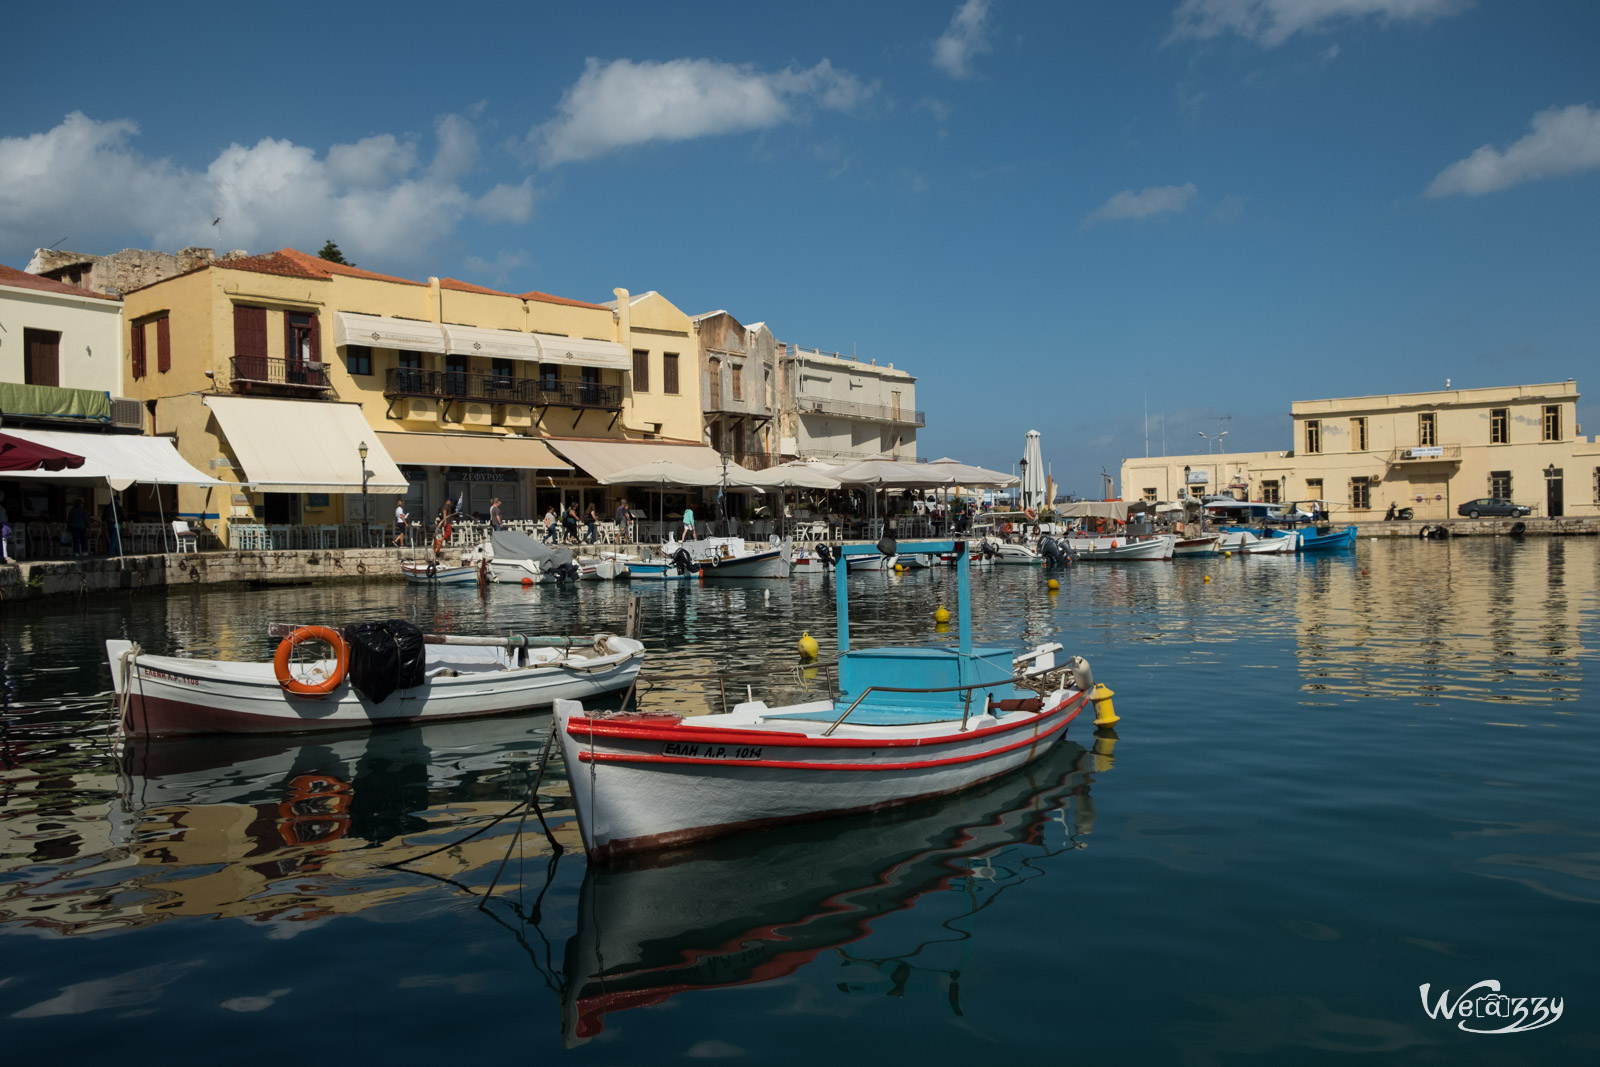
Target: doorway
{"x": 1553, "y": 502}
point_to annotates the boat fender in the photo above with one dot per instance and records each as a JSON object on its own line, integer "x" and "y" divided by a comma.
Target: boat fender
{"x": 1082, "y": 676}
{"x": 298, "y": 636}
{"x": 1518, "y": 529}
{"x": 433, "y": 569}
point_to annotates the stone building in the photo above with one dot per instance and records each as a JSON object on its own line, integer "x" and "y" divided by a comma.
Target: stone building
{"x": 836, "y": 407}
{"x": 1430, "y": 451}
{"x": 119, "y": 272}
{"x": 738, "y": 387}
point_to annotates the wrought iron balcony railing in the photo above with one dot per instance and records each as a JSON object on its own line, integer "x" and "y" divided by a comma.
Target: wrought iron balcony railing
{"x": 291, "y": 373}
{"x": 1426, "y": 454}
{"x": 823, "y": 405}
{"x": 500, "y": 389}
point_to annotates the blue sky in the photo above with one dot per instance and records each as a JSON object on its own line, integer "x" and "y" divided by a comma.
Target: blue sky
{"x": 1054, "y": 214}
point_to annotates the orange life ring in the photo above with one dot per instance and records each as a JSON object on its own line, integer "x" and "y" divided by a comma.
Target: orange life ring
{"x": 1032, "y": 516}
{"x": 286, "y": 647}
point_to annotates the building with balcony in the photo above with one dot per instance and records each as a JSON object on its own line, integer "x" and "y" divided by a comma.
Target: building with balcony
{"x": 1429, "y": 451}
{"x": 835, "y": 407}
{"x": 738, "y": 388}
{"x": 275, "y": 371}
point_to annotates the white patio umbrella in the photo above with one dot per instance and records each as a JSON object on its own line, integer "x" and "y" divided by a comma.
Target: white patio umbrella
{"x": 1032, "y": 472}
{"x": 664, "y": 472}
{"x": 799, "y": 475}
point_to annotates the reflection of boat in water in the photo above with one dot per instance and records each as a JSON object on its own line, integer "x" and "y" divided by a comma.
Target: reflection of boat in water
{"x": 723, "y": 914}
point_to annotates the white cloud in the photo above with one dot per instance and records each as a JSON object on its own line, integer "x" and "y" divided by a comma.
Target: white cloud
{"x": 966, "y": 36}
{"x": 1271, "y": 22}
{"x": 1154, "y": 201}
{"x": 1563, "y": 140}
{"x": 85, "y": 182}
{"x": 500, "y": 269}
{"x": 622, "y": 103}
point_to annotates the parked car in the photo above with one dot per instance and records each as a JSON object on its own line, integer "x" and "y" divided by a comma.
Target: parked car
{"x": 1472, "y": 509}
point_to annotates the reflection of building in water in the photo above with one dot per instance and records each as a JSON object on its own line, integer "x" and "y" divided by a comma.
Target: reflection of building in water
{"x": 266, "y": 829}
{"x": 1473, "y": 619}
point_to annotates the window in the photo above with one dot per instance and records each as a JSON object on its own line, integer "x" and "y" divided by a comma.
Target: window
{"x": 42, "y": 349}
{"x": 1552, "y": 422}
{"x": 137, "y": 350}
{"x": 549, "y": 375}
{"x": 591, "y": 385}
{"x": 1313, "y": 435}
{"x": 163, "y": 345}
{"x": 1313, "y": 488}
{"x": 501, "y": 373}
{"x": 1500, "y": 485}
{"x": 250, "y": 342}
{"x": 1358, "y": 435}
{"x": 1150, "y": 494}
{"x": 1427, "y": 428}
{"x": 1499, "y": 426}
{"x": 1269, "y": 492}
{"x": 738, "y": 382}
{"x": 410, "y": 360}
{"x": 300, "y": 344}
{"x": 358, "y": 359}
{"x": 455, "y": 375}
{"x": 669, "y": 373}
{"x": 641, "y": 370}
{"x": 1360, "y": 493}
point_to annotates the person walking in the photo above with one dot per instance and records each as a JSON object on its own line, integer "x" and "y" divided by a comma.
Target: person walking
{"x": 590, "y": 519}
{"x": 624, "y": 523}
{"x": 550, "y": 525}
{"x": 494, "y": 515}
{"x": 569, "y": 523}
{"x": 400, "y": 519}
{"x": 688, "y": 524}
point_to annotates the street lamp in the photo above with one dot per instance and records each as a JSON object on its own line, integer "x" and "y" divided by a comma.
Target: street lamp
{"x": 366, "y": 516}
{"x": 1023, "y": 491}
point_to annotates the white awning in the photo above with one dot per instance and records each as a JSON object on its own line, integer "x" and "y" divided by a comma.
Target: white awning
{"x": 303, "y": 446}
{"x": 582, "y": 352}
{"x": 601, "y": 459}
{"x": 496, "y": 344}
{"x": 491, "y": 451}
{"x": 407, "y": 335}
{"x": 119, "y": 459}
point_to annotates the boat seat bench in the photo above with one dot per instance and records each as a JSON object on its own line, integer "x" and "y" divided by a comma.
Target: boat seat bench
{"x": 885, "y": 713}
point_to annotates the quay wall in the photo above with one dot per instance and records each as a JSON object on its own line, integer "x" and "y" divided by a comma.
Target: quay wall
{"x": 1533, "y": 527}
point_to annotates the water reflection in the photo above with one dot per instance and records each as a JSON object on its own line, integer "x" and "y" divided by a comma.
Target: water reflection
{"x": 269, "y": 830}
{"x": 727, "y": 914}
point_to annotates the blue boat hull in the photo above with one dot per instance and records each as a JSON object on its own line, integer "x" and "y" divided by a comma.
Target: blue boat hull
{"x": 1328, "y": 542}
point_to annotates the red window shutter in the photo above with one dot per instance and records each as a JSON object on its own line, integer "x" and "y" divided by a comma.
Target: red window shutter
{"x": 138, "y": 350}
{"x": 163, "y": 346}
{"x": 250, "y": 332}
{"x": 316, "y": 340}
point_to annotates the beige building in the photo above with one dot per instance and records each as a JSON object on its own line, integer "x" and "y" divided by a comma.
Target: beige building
{"x": 838, "y": 408}
{"x": 738, "y": 387}
{"x": 1428, "y": 451}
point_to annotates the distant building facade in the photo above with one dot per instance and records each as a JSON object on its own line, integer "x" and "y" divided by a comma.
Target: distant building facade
{"x": 1430, "y": 451}
{"x": 837, "y": 408}
{"x": 119, "y": 272}
{"x": 738, "y": 388}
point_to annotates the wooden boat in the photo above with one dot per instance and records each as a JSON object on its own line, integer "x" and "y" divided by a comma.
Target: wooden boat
{"x": 707, "y": 918}
{"x": 437, "y": 572}
{"x": 604, "y": 567}
{"x": 1282, "y": 543}
{"x": 516, "y": 558}
{"x": 1157, "y": 547}
{"x": 908, "y": 723}
{"x": 876, "y": 561}
{"x": 1331, "y": 541}
{"x": 729, "y": 557}
{"x": 460, "y": 677}
{"x": 1007, "y": 553}
{"x": 1205, "y": 545}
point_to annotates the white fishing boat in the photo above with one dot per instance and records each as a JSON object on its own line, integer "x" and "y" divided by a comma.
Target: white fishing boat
{"x": 730, "y": 557}
{"x": 908, "y": 723}
{"x": 1281, "y": 544}
{"x": 518, "y": 559}
{"x": 605, "y": 566}
{"x": 1010, "y": 553}
{"x": 1155, "y": 547}
{"x": 438, "y": 572}
{"x": 875, "y": 562}
{"x": 401, "y": 676}
{"x": 1203, "y": 545}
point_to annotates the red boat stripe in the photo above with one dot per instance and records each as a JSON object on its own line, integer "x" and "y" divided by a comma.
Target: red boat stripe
{"x": 585, "y": 756}
{"x": 584, "y": 729}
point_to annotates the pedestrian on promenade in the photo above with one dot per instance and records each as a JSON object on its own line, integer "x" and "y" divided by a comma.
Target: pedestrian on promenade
{"x": 569, "y": 523}
{"x": 400, "y": 519}
{"x": 494, "y": 515}
{"x": 550, "y": 525}
{"x": 589, "y": 520}
{"x": 624, "y": 523}
{"x": 78, "y": 527}
{"x": 688, "y": 524}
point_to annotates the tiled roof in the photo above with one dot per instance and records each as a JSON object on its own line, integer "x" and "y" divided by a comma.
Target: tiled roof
{"x": 313, "y": 263}
{"x": 548, "y": 299}
{"x": 467, "y": 287}
{"x": 271, "y": 263}
{"x": 21, "y": 279}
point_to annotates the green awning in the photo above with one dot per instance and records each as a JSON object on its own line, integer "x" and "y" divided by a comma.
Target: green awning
{"x": 51, "y": 402}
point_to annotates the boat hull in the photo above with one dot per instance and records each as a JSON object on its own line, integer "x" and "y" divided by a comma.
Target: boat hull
{"x": 1196, "y": 546}
{"x": 1159, "y": 547}
{"x": 645, "y": 782}
{"x": 1329, "y": 542}
{"x": 871, "y": 563}
{"x": 165, "y": 696}
{"x": 417, "y": 571}
{"x": 770, "y": 563}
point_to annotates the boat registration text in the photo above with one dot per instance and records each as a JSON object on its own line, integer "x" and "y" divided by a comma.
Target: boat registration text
{"x": 729, "y": 752}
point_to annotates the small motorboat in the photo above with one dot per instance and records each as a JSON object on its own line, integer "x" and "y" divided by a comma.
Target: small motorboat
{"x": 1009, "y": 553}
{"x": 518, "y": 559}
{"x": 378, "y": 673}
{"x": 437, "y": 572}
{"x": 1203, "y": 545}
{"x": 1325, "y": 539}
{"x": 908, "y": 723}
{"x": 604, "y": 567}
{"x": 1279, "y": 543}
{"x": 1156, "y": 547}
{"x": 729, "y": 557}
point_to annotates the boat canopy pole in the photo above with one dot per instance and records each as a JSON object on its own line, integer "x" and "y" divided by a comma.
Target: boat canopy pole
{"x": 963, "y": 600}
{"x": 841, "y": 571}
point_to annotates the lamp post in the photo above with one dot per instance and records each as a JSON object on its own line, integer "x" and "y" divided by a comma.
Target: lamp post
{"x": 366, "y": 516}
{"x": 1022, "y": 492}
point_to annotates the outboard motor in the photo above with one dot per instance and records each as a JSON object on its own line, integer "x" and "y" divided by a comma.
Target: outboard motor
{"x": 988, "y": 550}
{"x": 567, "y": 572}
{"x": 825, "y": 554}
{"x": 684, "y": 562}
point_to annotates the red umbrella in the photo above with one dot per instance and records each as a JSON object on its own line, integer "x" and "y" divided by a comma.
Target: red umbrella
{"x": 17, "y": 454}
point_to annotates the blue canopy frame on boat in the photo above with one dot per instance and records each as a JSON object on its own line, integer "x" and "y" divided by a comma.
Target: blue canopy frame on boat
{"x": 963, "y": 587}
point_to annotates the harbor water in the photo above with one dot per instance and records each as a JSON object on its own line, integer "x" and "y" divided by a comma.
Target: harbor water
{"x": 1335, "y": 780}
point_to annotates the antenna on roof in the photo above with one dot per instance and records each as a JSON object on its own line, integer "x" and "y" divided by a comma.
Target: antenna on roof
{"x": 57, "y": 245}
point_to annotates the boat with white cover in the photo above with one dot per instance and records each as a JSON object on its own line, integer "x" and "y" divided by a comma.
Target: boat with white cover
{"x": 1155, "y": 547}
{"x": 445, "y": 677}
{"x": 516, "y": 558}
{"x": 908, "y": 723}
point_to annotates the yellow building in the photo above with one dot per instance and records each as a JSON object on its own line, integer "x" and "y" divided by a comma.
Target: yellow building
{"x": 1430, "y": 451}
{"x": 275, "y": 371}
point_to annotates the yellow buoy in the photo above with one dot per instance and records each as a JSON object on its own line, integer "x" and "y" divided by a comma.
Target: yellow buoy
{"x": 1052, "y": 585}
{"x": 940, "y": 614}
{"x": 899, "y": 567}
{"x": 1228, "y": 554}
{"x": 1104, "y": 713}
{"x": 808, "y": 645}
{"x": 1208, "y": 579}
